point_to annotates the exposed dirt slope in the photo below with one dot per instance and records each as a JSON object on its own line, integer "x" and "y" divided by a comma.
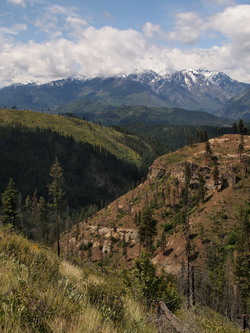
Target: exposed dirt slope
{"x": 111, "y": 236}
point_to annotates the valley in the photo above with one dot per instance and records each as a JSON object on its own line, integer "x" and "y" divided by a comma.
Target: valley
{"x": 141, "y": 202}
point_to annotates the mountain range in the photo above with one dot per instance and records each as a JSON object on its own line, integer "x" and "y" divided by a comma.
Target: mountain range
{"x": 201, "y": 90}
{"x": 238, "y": 105}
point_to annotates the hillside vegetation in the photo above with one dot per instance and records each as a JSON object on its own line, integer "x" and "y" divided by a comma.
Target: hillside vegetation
{"x": 80, "y": 130}
{"x": 41, "y": 293}
{"x": 237, "y": 107}
{"x": 98, "y": 164}
{"x": 121, "y": 115}
{"x": 192, "y": 215}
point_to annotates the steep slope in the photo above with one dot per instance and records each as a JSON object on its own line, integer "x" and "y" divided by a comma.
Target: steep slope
{"x": 98, "y": 163}
{"x": 204, "y": 211}
{"x": 232, "y": 184}
{"x": 80, "y": 130}
{"x": 40, "y": 293}
{"x": 237, "y": 107}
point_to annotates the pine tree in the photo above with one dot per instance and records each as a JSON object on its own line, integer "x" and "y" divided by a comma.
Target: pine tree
{"x": 216, "y": 177}
{"x": 10, "y": 203}
{"x": 42, "y": 220}
{"x": 241, "y": 267}
{"x": 147, "y": 228}
{"x": 241, "y": 127}
{"x": 235, "y": 127}
{"x": 57, "y": 195}
{"x": 201, "y": 189}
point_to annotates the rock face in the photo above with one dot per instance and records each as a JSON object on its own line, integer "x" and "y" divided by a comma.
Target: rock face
{"x": 93, "y": 242}
{"x": 112, "y": 235}
{"x": 228, "y": 175}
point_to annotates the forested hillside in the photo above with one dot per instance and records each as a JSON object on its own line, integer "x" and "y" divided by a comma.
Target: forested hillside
{"x": 121, "y": 115}
{"x": 98, "y": 164}
{"x": 81, "y": 131}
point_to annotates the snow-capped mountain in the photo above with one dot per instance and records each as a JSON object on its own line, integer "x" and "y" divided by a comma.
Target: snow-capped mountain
{"x": 189, "y": 89}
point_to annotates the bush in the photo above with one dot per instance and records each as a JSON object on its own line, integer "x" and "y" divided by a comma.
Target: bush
{"x": 152, "y": 288}
{"x": 168, "y": 226}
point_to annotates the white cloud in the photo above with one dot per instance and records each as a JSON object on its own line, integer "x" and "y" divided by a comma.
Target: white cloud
{"x": 14, "y": 29}
{"x": 77, "y": 24}
{"x": 187, "y": 29}
{"x": 18, "y": 2}
{"x": 24, "y": 3}
{"x": 61, "y": 10}
{"x": 150, "y": 30}
{"x": 110, "y": 51}
{"x": 56, "y": 20}
{"x": 234, "y": 23}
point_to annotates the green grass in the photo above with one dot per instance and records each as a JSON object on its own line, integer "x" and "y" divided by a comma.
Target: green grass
{"x": 81, "y": 130}
{"x": 40, "y": 293}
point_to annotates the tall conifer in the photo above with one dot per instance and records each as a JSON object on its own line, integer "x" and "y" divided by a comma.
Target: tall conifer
{"x": 57, "y": 195}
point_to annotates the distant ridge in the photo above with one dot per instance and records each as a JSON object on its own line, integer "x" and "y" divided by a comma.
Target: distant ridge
{"x": 238, "y": 106}
{"x": 201, "y": 90}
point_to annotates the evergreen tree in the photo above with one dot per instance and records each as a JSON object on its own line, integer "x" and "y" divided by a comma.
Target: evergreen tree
{"x": 235, "y": 127}
{"x": 42, "y": 220}
{"x": 241, "y": 127}
{"x": 147, "y": 228}
{"x": 216, "y": 177}
{"x": 153, "y": 287}
{"x": 57, "y": 195}
{"x": 10, "y": 203}
{"x": 188, "y": 175}
{"x": 201, "y": 189}
{"x": 242, "y": 261}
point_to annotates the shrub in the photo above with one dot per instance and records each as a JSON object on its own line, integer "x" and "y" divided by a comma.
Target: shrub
{"x": 152, "y": 288}
{"x": 168, "y": 226}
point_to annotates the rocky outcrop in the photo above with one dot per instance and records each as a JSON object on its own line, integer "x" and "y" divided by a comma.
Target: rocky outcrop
{"x": 228, "y": 174}
{"x": 112, "y": 234}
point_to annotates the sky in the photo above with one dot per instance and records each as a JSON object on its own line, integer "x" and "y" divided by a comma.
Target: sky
{"x": 45, "y": 40}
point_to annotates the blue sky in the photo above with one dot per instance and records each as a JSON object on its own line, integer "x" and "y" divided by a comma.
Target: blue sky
{"x": 44, "y": 40}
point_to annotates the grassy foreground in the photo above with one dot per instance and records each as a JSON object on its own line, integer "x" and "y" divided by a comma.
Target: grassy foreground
{"x": 40, "y": 293}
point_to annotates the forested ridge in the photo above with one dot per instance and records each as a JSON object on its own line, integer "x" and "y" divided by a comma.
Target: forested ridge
{"x": 92, "y": 176}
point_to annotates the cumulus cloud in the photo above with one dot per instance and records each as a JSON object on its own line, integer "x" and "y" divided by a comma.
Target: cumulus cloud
{"x": 110, "y": 51}
{"x": 151, "y": 29}
{"x": 188, "y": 27}
{"x": 234, "y": 23}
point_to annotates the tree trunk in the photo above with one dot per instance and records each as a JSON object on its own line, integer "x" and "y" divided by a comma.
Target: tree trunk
{"x": 177, "y": 325}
